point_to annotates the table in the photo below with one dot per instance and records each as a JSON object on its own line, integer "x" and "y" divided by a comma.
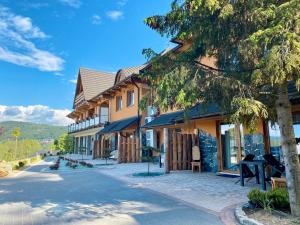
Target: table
{"x": 259, "y": 166}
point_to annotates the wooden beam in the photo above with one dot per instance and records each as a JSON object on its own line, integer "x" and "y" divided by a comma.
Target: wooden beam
{"x": 133, "y": 159}
{"x": 125, "y": 149}
{"x": 171, "y": 149}
{"x": 175, "y": 150}
{"x": 238, "y": 141}
{"x": 138, "y": 149}
{"x": 129, "y": 159}
{"x": 179, "y": 147}
{"x": 219, "y": 146}
{"x": 266, "y": 136}
{"x": 184, "y": 152}
{"x": 102, "y": 147}
{"x": 167, "y": 150}
{"x": 189, "y": 150}
{"x": 119, "y": 148}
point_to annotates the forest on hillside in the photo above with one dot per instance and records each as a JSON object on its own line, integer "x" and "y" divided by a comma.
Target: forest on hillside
{"x": 30, "y": 131}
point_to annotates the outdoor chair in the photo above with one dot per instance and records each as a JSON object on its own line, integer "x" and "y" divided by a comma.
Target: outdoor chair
{"x": 196, "y": 163}
{"x": 247, "y": 172}
{"x": 276, "y": 165}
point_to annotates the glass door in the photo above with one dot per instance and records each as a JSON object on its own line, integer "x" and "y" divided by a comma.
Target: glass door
{"x": 232, "y": 143}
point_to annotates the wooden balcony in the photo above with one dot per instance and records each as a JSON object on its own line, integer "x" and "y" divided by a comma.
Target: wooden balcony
{"x": 87, "y": 124}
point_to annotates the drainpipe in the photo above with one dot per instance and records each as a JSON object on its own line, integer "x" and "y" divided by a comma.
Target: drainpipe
{"x": 139, "y": 121}
{"x": 139, "y": 133}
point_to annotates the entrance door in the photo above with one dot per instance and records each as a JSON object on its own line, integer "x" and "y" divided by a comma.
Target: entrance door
{"x": 231, "y": 146}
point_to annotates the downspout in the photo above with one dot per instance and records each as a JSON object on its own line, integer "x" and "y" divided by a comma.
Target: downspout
{"x": 139, "y": 121}
{"x": 139, "y": 133}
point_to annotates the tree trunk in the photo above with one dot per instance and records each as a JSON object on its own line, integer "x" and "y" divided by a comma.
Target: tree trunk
{"x": 16, "y": 148}
{"x": 289, "y": 149}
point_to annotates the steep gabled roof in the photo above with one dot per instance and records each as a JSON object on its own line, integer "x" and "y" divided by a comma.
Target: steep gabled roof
{"x": 93, "y": 82}
{"x": 126, "y": 72}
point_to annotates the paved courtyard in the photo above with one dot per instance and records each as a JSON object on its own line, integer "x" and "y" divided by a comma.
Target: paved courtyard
{"x": 89, "y": 197}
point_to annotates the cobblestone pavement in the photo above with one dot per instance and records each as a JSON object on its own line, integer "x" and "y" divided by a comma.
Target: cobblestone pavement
{"x": 205, "y": 190}
{"x": 89, "y": 197}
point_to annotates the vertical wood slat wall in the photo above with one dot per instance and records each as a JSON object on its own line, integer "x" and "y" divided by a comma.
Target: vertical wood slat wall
{"x": 129, "y": 150}
{"x": 180, "y": 150}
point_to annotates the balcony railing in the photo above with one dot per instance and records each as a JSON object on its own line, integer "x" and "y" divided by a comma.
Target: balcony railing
{"x": 87, "y": 124}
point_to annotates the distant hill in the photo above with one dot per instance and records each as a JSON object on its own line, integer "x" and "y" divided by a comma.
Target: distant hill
{"x": 31, "y": 130}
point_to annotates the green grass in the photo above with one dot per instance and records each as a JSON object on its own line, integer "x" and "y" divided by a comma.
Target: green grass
{"x": 145, "y": 174}
{"x": 25, "y": 149}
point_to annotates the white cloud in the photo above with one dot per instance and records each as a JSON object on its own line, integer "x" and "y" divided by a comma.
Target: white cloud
{"x": 74, "y": 81}
{"x": 35, "y": 114}
{"x": 73, "y": 3}
{"x": 16, "y": 43}
{"x": 122, "y": 2}
{"x": 96, "y": 19}
{"x": 115, "y": 14}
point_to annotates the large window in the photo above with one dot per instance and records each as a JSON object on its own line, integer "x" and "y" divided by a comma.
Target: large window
{"x": 118, "y": 103}
{"x": 130, "y": 98}
{"x": 103, "y": 114}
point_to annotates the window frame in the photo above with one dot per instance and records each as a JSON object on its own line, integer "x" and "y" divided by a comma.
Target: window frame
{"x": 119, "y": 103}
{"x": 130, "y": 98}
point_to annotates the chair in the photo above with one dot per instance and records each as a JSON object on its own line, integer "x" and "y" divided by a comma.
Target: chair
{"x": 276, "y": 165}
{"x": 196, "y": 159}
{"x": 247, "y": 172}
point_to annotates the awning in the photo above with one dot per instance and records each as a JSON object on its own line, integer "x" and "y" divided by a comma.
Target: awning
{"x": 196, "y": 112}
{"x": 199, "y": 111}
{"x": 119, "y": 125}
{"x": 163, "y": 120}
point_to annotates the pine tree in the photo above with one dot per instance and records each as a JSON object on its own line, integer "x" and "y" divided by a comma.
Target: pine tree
{"x": 256, "y": 47}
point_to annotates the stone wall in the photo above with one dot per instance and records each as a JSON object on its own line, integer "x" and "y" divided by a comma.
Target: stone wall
{"x": 254, "y": 144}
{"x": 208, "y": 150}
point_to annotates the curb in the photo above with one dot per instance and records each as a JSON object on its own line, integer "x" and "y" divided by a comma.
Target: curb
{"x": 242, "y": 218}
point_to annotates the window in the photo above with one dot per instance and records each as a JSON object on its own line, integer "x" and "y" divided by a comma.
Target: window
{"x": 119, "y": 103}
{"x": 275, "y": 140}
{"x": 130, "y": 98}
{"x": 103, "y": 114}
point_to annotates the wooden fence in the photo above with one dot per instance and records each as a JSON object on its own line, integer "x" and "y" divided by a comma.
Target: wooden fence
{"x": 129, "y": 149}
{"x": 180, "y": 150}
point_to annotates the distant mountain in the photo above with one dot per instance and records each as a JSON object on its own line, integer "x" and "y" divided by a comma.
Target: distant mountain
{"x": 31, "y": 130}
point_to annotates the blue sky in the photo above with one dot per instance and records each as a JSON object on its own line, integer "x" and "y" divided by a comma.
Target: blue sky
{"x": 43, "y": 44}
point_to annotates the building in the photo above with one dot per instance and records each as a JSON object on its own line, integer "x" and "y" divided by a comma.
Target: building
{"x": 107, "y": 117}
{"x": 89, "y": 115}
{"x": 122, "y": 133}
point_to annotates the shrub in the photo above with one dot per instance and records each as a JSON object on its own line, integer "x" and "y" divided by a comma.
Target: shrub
{"x": 255, "y": 197}
{"x": 33, "y": 159}
{"x": 276, "y": 199}
{"x": 22, "y": 163}
{"x": 279, "y": 198}
{"x": 15, "y": 167}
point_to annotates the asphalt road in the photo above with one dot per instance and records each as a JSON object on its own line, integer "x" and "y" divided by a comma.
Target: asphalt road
{"x": 87, "y": 197}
